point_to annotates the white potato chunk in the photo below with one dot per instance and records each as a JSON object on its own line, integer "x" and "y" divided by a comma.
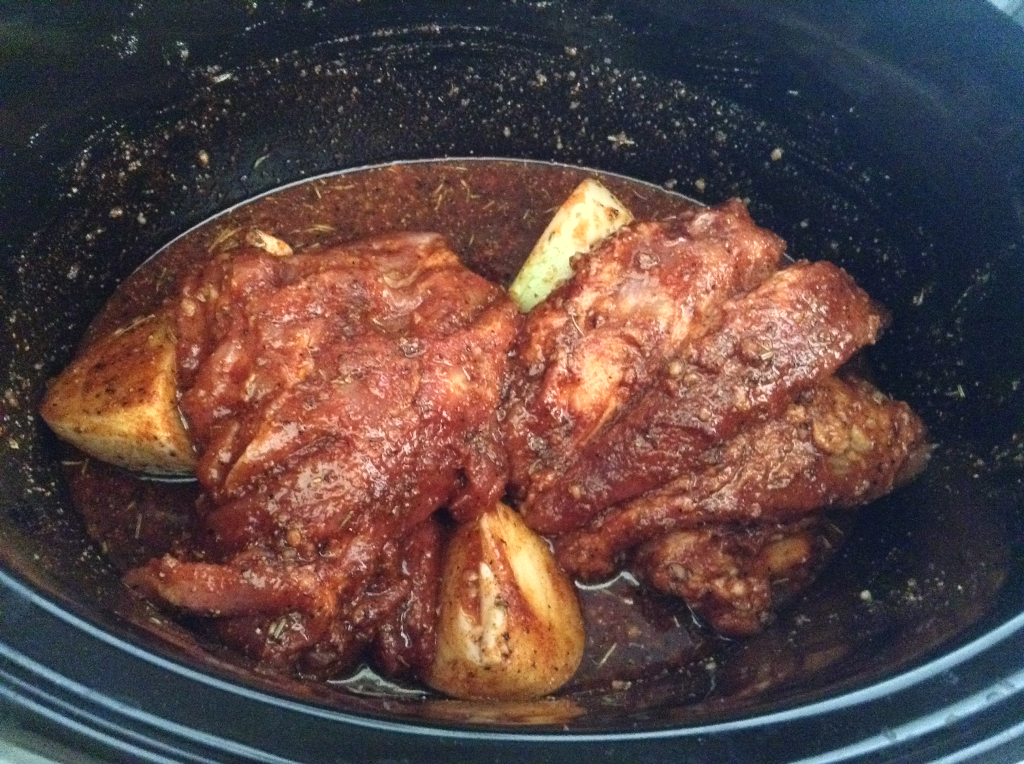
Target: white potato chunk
{"x": 117, "y": 401}
{"x": 590, "y": 214}
{"x": 510, "y": 626}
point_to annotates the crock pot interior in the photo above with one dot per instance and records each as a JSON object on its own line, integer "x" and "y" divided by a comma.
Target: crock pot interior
{"x": 900, "y": 160}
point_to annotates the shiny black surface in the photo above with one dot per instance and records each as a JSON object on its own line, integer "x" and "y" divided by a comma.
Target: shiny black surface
{"x": 902, "y": 151}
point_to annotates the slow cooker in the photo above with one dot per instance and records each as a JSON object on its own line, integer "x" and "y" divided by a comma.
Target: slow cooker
{"x": 887, "y": 137}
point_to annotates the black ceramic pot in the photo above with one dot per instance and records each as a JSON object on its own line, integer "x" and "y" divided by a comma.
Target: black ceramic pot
{"x": 888, "y": 137}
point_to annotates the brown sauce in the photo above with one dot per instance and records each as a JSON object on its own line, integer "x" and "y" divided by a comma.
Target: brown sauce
{"x": 491, "y": 212}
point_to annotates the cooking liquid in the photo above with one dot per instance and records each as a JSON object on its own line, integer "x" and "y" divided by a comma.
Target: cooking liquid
{"x": 491, "y": 212}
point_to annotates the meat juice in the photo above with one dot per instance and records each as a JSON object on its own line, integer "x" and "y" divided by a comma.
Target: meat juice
{"x": 491, "y": 212}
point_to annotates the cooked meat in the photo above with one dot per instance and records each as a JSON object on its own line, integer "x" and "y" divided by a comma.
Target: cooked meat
{"x": 726, "y": 574}
{"x": 602, "y": 336}
{"x": 393, "y": 615}
{"x": 407, "y": 637}
{"x": 747, "y": 365}
{"x": 839, "y": 444}
{"x": 336, "y": 400}
{"x": 677, "y": 395}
